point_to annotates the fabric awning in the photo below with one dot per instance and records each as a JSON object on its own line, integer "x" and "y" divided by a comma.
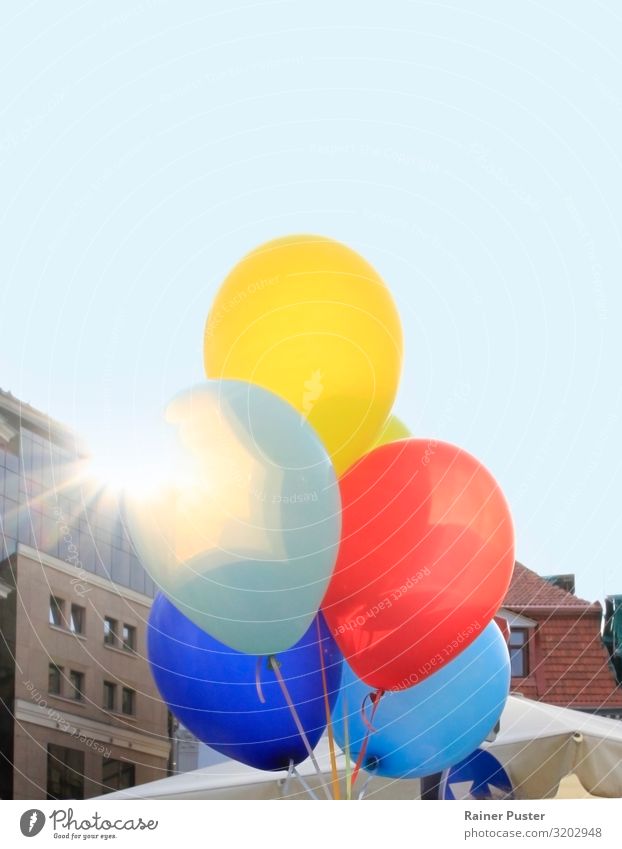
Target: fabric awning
{"x": 538, "y": 744}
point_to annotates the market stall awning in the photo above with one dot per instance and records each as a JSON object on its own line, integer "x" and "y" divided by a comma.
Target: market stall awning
{"x": 538, "y": 744}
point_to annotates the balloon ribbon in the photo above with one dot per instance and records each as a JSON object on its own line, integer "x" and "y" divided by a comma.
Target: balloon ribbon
{"x": 346, "y": 746}
{"x": 274, "y": 665}
{"x": 375, "y": 700}
{"x": 329, "y": 723}
{"x": 260, "y": 694}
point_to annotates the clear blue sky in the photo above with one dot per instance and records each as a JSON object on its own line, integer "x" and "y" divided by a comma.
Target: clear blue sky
{"x": 471, "y": 151}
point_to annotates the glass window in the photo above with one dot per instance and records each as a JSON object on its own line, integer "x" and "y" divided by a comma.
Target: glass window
{"x": 11, "y": 485}
{"x": 35, "y": 524}
{"x": 128, "y": 703}
{"x": 49, "y": 536}
{"x": 25, "y": 528}
{"x": 137, "y": 576}
{"x": 35, "y": 491}
{"x": 8, "y": 547}
{"x": 38, "y": 459}
{"x": 519, "y": 652}
{"x": 110, "y": 631}
{"x": 26, "y": 448}
{"x": 76, "y": 680}
{"x": 11, "y": 455}
{"x": 86, "y": 550}
{"x": 57, "y": 606}
{"x": 55, "y": 679}
{"x": 129, "y": 638}
{"x": 120, "y": 571}
{"x": 103, "y": 558}
{"x": 150, "y": 587}
{"x": 110, "y": 695}
{"x": 9, "y": 518}
{"x": 65, "y": 778}
{"x": 47, "y": 471}
{"x": 77, "y": 619}
{"x": 117, "y": 775}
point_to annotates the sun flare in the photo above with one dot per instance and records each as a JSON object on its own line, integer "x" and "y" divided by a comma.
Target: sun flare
{"x": 138, "y": 467}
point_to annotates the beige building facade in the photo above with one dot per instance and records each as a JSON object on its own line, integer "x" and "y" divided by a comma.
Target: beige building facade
{"x": 87, "y": 717}
{"x": 80, "y": 714}
{"x": 111, "y": 717}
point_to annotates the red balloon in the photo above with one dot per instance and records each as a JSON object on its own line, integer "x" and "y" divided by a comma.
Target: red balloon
{"x": 426, "y": 557}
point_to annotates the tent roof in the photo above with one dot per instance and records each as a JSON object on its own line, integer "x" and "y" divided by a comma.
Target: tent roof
{"x": 538, "y": 744}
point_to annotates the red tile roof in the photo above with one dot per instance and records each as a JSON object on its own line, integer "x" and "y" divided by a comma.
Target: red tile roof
{"x": 530, "y": 590}
{"x": 572, "y": 666}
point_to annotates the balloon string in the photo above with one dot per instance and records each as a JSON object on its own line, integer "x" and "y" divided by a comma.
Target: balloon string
{"x": 260, "y": 694}
{"x": 304, "y": 784}
{"x": 367, "y": 722}
{"x": 274, "y": 664}
{"x": 375, "y": 700}
{"x": 346, "y": 746}
{"x": 364, "y": 787}
{"x": 329, "y": 723}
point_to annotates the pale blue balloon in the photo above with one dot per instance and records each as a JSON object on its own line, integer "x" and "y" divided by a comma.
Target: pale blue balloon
{"x": 244, "y": 538}
{"x": 435, "y": 724}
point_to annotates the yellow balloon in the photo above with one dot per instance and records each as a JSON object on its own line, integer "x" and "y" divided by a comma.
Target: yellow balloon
{"x": 393, "y": 430}
{"x": 311, "y": 320}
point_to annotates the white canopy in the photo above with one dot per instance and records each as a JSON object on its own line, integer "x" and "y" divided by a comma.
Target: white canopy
{"x": 538, "y": 744}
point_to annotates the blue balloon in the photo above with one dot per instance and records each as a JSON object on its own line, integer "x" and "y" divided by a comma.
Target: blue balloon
{"x": 478, "y": 777}
{"x": 212, "y": 689}
{"x": 434, "y": 724}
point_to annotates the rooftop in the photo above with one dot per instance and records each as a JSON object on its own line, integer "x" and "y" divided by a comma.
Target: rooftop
{"x": 31, "y": 416}
{"x": 572, "y": 666}
{"x": 528, "y": 590}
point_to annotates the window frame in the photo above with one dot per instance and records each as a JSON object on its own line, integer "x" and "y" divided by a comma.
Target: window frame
{"x": 77, "y": 688}
{"x": 57, "y": 603}
{"x": 54, "y": 760}
{"x": 130, "y": 646}
{"x": 128, "y": 691}
{"x": 111, "y": 637}
{"x": 112, "y": 687}
{"x": 60, "y": 671}
{"x": 116, "y": 782}
{"x": 82, "y": 616}
{"x": 520, "y": 651}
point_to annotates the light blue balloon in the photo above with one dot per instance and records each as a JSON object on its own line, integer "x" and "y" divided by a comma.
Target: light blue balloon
{"x": 244, "y": 538}
{"x": 435, "y": 724}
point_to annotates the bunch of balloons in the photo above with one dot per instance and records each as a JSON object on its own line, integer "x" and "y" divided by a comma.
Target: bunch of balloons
{"x": 302, "y": 524}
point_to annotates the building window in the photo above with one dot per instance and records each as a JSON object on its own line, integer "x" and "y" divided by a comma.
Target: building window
{"x": 57, "y": 608}
{"x": 117, "y": 775}
{"x": 55, "y": 679}
{"x": 65, "y": 773}
{"x": 519, "y": 652}
{"x": 129, "y": 638}
{"x": 76, "y": 680}
{"x": 128, "y": 702}
{"x": 110, "y": 631}
{"x": 110, "y": 695}
{"x": 77, "y": 619}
